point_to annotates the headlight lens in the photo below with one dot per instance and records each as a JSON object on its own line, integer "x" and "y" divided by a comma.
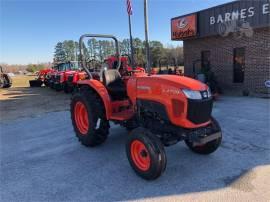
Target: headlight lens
{"x": 191, "y": 94}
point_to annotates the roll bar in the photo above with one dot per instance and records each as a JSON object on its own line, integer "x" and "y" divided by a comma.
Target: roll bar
{"x": 97, "y": 36}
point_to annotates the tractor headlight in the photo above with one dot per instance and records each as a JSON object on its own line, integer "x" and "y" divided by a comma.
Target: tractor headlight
{"x": 191, "y": 94}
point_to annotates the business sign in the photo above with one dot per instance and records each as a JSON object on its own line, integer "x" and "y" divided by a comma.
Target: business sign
{"x": 240, "y": 14}
{"x": 222, "y": 20}
{"x": 234, "y": 17}
{"x": 184, "y": 27}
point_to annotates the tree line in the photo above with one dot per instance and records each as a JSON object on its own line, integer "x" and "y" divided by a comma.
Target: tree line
{"x": 68, "y": 50}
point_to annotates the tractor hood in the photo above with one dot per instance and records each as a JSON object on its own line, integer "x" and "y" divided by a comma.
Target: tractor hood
{"x": 175, "y": 81}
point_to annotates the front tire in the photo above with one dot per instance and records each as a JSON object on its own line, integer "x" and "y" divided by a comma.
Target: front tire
{"x": 146, "y": 154}
{"x": 88, "y": 118}
{"x": 209, "y": 147}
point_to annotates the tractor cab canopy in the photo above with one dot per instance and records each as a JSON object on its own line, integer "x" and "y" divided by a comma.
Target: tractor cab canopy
{"x": 67, "y": 66}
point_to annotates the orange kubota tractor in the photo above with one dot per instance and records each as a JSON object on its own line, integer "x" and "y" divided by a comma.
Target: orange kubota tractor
{"x": 41, "y": 77}
{"x": 160, "y": 110}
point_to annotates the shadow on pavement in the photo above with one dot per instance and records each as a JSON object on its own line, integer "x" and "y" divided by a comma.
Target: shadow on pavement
{"x": 20, "y": 102}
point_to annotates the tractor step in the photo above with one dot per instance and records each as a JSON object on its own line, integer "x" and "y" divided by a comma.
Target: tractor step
{"x": 123, "y": 115}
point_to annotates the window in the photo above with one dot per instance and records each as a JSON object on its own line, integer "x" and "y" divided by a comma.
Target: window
{"x": 205, "y": 60}
{"x": 238, "y": 65}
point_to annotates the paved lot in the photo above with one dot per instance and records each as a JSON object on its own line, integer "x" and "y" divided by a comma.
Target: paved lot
{"x": 41, "y": 160}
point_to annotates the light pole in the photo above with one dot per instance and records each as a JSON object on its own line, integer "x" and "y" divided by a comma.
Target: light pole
{"x": 146, "y": 37}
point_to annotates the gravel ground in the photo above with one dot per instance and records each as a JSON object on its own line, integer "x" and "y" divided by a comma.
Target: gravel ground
{"x": 41, "y": 160}
{"x": 18, "y": 102}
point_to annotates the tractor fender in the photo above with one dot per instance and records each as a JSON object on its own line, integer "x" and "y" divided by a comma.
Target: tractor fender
{"x": 100, "y": 89}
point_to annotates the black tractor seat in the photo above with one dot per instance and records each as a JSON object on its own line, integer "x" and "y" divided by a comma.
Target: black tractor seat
{"x": 115, "y": 85}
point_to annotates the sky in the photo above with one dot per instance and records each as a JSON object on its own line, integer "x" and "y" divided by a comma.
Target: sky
{"x": 29, "y": 29}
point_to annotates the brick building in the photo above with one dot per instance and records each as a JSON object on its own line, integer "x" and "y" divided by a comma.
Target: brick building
{"x": 233, "y": 40}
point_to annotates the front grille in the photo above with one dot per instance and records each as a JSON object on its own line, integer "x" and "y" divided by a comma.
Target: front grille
{"x": 70, "y": 78}
{"x": 199, "y": 111}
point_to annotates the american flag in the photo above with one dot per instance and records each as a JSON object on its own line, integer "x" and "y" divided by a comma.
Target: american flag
{"x": 129, "y": 8}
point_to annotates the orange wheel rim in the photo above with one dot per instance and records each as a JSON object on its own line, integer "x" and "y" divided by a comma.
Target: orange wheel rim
{"x": 140, "y": 155}
{"x": 81, "y": 117}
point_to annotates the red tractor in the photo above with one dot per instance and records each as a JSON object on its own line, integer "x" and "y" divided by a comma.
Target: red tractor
{"x": 41, "y": 78}
{"x": 159, "y": 110}
{"x": 64, "y": 70}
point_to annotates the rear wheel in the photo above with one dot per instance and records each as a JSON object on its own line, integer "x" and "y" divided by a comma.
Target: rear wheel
{"x": 7, "y": 81}
{"x": 146, "y": 154}
{"x": 88, "y": 118}
{"x": 209, "y": 147}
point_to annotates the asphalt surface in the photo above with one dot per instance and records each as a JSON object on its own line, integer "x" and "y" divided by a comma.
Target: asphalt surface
{"x": 41, "y": 160}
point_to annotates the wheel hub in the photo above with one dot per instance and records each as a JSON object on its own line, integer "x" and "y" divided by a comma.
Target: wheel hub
{"x": 140, "y": 155}
{"x": 143, "y": 153}
{"x": 81, "y": 117}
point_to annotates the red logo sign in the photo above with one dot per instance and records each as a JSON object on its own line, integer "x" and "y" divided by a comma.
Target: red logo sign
{"x": 184, "y": 27}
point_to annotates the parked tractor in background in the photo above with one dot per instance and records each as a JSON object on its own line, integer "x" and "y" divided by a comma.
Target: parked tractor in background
{"x": 60, "y": 78}
{"x": 160, "y": 110}
{"x": 41, "y": 75}
{"x": 5, "y": 80}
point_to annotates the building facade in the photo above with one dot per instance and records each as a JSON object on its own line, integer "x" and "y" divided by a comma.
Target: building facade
{"x": 233, "y": 40}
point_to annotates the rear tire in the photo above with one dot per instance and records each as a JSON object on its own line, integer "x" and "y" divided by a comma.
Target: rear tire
{"x": 88, "y": 118}
{"x": 7, "y": 81}
{"x": 146, "y": 154}
{"x": 209, "y": 147}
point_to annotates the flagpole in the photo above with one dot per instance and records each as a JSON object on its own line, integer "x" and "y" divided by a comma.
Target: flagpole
{"x": 148, "y": 68}
{"x": 131, "y": 42}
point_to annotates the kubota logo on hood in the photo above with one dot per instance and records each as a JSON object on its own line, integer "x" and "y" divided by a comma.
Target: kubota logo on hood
{"x": 182, "y": 23}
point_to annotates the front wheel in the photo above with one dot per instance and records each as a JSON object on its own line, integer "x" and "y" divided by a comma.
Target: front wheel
{"x": 146, "y": 154}
{"x": 209, "y": 147}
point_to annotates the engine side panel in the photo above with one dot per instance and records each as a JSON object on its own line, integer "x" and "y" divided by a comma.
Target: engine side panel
{"x": 166, "y": 91}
